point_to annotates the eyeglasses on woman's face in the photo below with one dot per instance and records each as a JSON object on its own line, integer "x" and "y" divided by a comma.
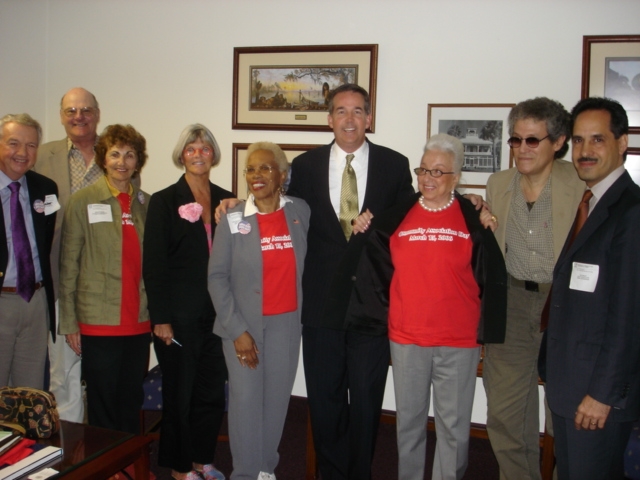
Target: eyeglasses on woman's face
{"x": 264, "y": 169}
{"x": 435, "y": 173}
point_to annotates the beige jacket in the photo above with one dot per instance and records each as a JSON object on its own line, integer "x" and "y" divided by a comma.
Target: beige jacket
{"x": 566, "y": 194}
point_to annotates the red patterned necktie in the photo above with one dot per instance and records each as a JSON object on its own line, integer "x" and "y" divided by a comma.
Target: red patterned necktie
{"x": 581, "y": 215}
{"x": 581, "y": 218}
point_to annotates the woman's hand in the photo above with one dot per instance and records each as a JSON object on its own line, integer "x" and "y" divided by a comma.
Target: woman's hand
{"x": 488, "y": 220}
{"x": 246, "y": 350}
{"x": 73, "y": 340}
{"x": 164, "y": 332}
{"x": 225, "y": 204}
{"x": 362, "y": 222}
{"x": 476, "y": 200}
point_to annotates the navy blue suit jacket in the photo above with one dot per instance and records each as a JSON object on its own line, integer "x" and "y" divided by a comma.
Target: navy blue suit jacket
{"x": 39, "y": 186}
{"x": 327, "y": 277}
{"x": 593, "y": 339}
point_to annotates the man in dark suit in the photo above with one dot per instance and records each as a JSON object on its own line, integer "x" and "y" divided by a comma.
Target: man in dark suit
{"x": 345, "y": 371}
{"x": 593, "y": 337}
{"x": 27, "y": 220}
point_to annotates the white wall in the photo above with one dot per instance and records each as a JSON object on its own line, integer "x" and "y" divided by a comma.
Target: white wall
{"x": 161, "y": 64}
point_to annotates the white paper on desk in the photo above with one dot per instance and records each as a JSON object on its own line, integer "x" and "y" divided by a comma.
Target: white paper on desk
{"x": 42, "y": 474}
{"x": 98, "y": 212}
{"x": 584, "y": 277}
{"x": 30, "y": 463}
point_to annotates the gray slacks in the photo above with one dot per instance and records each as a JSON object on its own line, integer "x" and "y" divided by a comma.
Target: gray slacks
{"x": 259, "y": 399}
{"x": 24, "y": 328}
{"x": 452, "y": 374}
{"x": 510, "y": 376}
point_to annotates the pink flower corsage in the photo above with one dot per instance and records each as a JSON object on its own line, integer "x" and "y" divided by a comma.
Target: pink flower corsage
{"x": 190, "y": 211}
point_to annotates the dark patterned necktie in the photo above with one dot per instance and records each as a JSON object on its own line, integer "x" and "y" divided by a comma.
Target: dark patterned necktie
{"x": 21, "y": 247}
{"x": 348, "y": 198}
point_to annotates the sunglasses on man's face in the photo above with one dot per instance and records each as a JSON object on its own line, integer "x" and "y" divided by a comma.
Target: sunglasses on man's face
{"x": 532, "y": 142}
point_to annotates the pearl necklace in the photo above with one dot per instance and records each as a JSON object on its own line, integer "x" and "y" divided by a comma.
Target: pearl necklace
{"x": 444, "y": 207}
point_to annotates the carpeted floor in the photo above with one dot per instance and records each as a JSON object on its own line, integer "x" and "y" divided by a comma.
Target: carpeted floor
{"x": 482, "y": 463}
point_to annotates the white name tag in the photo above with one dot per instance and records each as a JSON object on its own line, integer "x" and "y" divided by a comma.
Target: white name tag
{"x": 234, "y": 219}
{"x": 584, "y": 277}
{"x": 99, "y": 213}
{"x": 51, "y": 204}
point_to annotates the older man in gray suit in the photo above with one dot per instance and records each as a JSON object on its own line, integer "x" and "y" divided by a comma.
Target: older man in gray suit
{"x": 69, "y": 162}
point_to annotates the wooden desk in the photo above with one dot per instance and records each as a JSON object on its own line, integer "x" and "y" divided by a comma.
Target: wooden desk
{"x": 98, "y": 453}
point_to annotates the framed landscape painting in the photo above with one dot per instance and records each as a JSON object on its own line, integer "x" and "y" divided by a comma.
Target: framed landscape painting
{"x": 287, "y": 88}
{"x": 611, "y": 68}
{"x": 482, "y": 129}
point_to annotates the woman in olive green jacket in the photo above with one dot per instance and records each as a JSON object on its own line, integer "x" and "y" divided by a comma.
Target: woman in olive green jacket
{"x": 103, "y": 305}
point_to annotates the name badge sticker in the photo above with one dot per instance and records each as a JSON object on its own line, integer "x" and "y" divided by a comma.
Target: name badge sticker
{"x": 99, "y": 212}
{"x": 51, "y": 204}
{"x": 584, "y": 277}
{"x": 234, "y": 219}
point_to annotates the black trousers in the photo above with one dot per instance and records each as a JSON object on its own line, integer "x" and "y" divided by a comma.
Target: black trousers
{"x": 193, "y": 395}
{"x": 345, "y": 374}
{"x": 590, "y": 454}
{"x": 114, "y": 369}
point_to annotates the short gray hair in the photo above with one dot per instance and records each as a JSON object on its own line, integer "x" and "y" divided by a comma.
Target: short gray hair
{"x": 543, "y": 109}
{"x": 21, "y": 119}
{"x": 190, "y": 134}
{"x": 446, "y": 143}
{"x": 278, "y": 155}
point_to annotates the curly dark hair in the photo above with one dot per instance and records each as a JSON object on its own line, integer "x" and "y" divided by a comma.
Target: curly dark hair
{"x": 121, "y": 135}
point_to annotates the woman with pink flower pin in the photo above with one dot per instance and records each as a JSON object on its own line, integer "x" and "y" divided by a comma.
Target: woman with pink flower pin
{"x": 177, "y": 243}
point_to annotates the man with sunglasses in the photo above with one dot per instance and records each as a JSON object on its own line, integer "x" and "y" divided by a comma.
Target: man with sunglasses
{"x": 535, "y": 203}
{"x": 70, "y": 163}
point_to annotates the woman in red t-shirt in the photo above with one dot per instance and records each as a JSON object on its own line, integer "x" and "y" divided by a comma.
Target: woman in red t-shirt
{"x": 255, "y": 280}
{"x": 442, "y": 277}
{"x": 103, "y": 305}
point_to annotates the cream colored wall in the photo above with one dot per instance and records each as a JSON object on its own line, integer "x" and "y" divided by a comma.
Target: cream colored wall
{"x": 161, "y": 64}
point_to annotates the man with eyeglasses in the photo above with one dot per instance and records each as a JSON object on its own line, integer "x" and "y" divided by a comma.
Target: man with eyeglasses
{"x": 70, "y": 163}
{"x": 535, "y": 203}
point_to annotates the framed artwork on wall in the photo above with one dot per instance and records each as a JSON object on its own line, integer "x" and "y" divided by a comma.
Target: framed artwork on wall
{"x": 632, "y": 164}
{"x": 611, "y": 68}
{"x": 239, "y": 153}
{"x": 286, "y": 88}
{"x": 483, "y": 130}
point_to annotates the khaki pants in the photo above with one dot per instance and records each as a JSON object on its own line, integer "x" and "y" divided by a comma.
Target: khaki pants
{"x": 510, "y": 377}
